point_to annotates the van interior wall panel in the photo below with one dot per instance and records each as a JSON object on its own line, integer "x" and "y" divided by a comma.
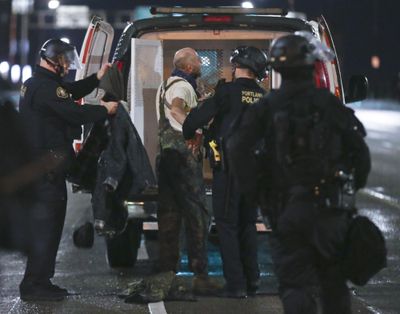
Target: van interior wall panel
{"x": 150, "y": 118}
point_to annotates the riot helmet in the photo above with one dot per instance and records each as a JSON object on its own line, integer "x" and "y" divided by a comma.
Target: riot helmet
{"x": 60, "y": 55}
{"x": 300, "y": 49}
{"x": 251, "y": 58}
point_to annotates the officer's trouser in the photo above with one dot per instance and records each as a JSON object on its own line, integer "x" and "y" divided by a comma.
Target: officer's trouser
{"x": 237, "y": 233}
{"x": 305, "y": 245}
{"x": 182, "y": 196}
{"x": 46, "y": 224}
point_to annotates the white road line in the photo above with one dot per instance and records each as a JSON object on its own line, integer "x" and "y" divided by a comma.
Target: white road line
{"x": 157, "y": 308}
{"x": 142, "y": 252}
{"x": 392, "y": 201}
{"x": 16, "y": 301}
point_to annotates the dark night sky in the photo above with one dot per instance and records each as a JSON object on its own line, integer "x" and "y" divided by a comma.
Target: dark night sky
{"x": 361, "y": 28}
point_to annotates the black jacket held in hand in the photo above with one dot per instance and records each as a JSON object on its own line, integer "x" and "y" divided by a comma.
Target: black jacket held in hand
{"x": 48, "y": 110}
{"x": 258, "y": 123}
{"x": 124, "y": 156}
{"x": 113, "y": 159}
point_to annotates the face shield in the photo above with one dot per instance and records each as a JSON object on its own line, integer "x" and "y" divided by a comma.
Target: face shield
{"x": 71, "y": 58}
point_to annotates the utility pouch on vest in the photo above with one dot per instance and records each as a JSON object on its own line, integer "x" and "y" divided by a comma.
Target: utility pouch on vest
{"x": 341, "y": 194}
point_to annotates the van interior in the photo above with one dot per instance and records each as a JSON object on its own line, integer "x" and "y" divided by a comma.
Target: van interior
{"x": 214, "y": 48}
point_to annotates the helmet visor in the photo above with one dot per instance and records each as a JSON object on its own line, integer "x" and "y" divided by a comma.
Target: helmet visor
{"x": 320, "y": 51}
{"x": 72, "y": 59}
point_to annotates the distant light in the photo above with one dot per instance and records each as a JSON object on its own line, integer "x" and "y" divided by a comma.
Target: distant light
{"x": 65, "y": 39}
{"x": 15, "y": 73}
{"x": 375, "y": 62}
{"x": 247, "y": 5}
{"x": 26, "y": 72}
{"x": 4, "y": 68}
{"x": 53, "y": 4}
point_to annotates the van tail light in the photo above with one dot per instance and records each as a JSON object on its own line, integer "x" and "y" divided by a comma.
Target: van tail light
{"x": 88, "y": 42}
{"x": 77, "y": 146}
{"x": 321, "y": 75}
{"x": 217, "y": 19}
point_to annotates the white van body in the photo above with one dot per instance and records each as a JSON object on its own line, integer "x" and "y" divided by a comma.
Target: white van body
{"x": 145, "y": 51}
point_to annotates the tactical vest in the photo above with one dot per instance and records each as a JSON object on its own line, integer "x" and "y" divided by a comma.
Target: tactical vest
{"x": 168, "y": 137}
{"x": 306, "y": 144}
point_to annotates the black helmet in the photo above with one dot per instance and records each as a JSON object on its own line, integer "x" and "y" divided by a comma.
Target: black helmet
{"x": 53, "y": 49}
{"x": 297, "y": 50}
{"x": 251, "y": 58}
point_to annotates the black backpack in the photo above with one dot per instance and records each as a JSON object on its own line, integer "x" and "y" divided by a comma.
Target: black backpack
{"x": 365, "y": 251}
{"x": 306, "y": 144}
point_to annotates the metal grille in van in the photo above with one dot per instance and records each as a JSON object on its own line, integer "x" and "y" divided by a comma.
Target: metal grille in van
{"x": 211, "y": 69}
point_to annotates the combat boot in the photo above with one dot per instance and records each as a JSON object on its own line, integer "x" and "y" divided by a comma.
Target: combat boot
{"x": 61, "y": 291}
{"x": 204, "y": 285}
{"x": 40, "y": 292}
{"x": 252, "y": 287}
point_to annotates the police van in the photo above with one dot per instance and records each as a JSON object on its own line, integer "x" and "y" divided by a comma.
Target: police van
{"x": 144, "y": 55}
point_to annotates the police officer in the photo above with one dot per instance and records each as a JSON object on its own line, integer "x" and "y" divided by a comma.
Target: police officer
{"x": 52, "y": 120}
{"x": 235, "y": 219}
{"x": 312, "y": 143}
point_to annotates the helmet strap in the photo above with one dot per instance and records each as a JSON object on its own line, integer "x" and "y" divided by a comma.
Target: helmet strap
{"x": 56, "y": 66}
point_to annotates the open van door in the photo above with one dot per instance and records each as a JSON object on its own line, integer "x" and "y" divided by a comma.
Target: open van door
{"x": 328, "y": 73}
{"x": 95, "y": 52}
{"x": 145, "y": 78}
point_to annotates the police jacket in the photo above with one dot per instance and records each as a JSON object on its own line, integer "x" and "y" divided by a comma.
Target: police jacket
{"x": 258, "y": 123}
{"x": 50, "y": 116}
{"x": 225, "y": 107}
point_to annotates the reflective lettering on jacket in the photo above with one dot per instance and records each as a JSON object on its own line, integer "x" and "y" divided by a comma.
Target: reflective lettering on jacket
{"x": 250, "y": 97}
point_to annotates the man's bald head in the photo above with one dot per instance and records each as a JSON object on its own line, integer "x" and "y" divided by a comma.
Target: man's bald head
{"x": 187, "y": 60}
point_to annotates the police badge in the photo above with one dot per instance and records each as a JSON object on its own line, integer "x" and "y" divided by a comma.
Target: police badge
{"x": 62, "y": 93}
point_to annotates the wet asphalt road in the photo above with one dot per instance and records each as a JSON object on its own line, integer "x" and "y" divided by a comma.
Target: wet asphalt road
{"x": 95, "y": 286}
{"x": 381, "y": 201}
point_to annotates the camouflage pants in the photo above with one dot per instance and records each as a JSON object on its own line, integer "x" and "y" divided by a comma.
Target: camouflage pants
{"x": 181, "y": 198}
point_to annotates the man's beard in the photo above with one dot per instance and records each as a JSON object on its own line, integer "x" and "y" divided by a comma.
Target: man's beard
{"x": 196, "y": 75}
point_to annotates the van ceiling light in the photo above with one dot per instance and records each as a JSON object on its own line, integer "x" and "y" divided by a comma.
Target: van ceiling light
{"x": 247, "y": 5}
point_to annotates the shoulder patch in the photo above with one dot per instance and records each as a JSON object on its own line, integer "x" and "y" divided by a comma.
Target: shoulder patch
{"x": 23, "y": 91}
{"x": 62, "y": 93}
